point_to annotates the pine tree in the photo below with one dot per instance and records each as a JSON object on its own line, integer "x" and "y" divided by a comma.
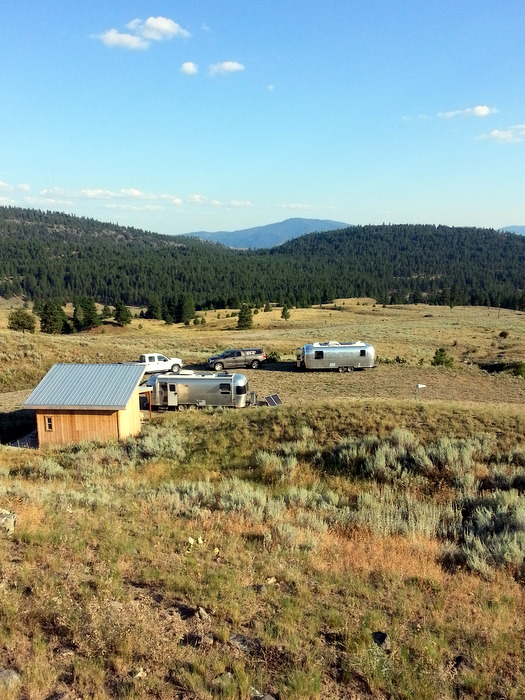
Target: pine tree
{"x": 21, "y": 320}
{"x": 187, "y": 308}
{"x": 285, "y": 313}
{"x": 122, "y": 313}
{"x": 91, "y": 317}
{"x": 53, "y": 319}
{"x": 245, "y": 319}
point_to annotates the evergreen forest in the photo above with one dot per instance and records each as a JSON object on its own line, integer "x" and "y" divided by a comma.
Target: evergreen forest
{"x": 49, "y": 255}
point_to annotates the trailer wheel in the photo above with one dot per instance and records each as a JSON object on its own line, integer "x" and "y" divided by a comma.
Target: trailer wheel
{"x": 349, "y": 369}
{"x": 181, "y": 407}
{"x": 192, "y": 407}
{"x": 175, "y": 368}
{"x": 255, "y": 364}
{"x": 340, "y": 370}
{"x": 218, "y": 366}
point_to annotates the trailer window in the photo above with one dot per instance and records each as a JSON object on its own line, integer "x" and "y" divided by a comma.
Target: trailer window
{"x": 224, "y": 388}
{"x": 319, "y": 355}
{"x": 49, "y": 423}
{"x": 240, "y": 390}
{"x": 363, "y": 353}
{"x": 173, "y": 388}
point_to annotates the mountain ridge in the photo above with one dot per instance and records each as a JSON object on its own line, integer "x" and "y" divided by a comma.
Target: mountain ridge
{"x": 268, "y": 235}
{"x": 519, "y": 230}
{"x": 47, "y": 255}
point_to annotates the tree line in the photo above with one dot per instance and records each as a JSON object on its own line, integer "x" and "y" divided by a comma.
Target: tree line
{"x": 52, "y": 256}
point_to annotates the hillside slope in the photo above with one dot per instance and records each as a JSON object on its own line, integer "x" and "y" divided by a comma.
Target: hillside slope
{"x": 50, "y": 255}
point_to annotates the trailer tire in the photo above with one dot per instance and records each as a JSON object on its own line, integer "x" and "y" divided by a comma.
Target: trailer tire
{"x": 192, "y": 407}
{"x": 175, "y": 368}
{"x": 181, "y": 407}
{"x": 218, "y": 366}
{"x": 255, "y": 364}
{"x": 349, "y": 369}
{"x": 340, "y": 370}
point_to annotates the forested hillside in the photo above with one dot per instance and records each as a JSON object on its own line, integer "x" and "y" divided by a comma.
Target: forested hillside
{"x": 47, "y": 255}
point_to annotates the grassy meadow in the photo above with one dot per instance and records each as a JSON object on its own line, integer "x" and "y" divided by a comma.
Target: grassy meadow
{"x": 355, "y": 542}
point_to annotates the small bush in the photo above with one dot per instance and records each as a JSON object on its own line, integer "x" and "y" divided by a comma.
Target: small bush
{"x": 273, "y": 356}
{"x": 442, "y": 359}
{"x": 519, "y": 370}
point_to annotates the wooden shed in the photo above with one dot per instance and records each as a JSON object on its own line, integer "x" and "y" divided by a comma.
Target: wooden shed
{"x": 79, "y": 403}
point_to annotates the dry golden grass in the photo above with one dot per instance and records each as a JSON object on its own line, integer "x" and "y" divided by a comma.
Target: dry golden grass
{"x": 411, "y": 333}
{"x": 101, "y": 584}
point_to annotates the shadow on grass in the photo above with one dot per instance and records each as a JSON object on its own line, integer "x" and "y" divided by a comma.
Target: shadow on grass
{"x": 266, "y": 366}
{"x": 16, "y": 424}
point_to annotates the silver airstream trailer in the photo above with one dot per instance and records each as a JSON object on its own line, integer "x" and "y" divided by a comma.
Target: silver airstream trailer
{"x": 333, "y": 355}
{"x": 195, "y": 390}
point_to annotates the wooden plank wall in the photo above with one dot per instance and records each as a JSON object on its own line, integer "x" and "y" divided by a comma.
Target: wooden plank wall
{"x": 129, "y": 418}
{"x": 76, "y": 426}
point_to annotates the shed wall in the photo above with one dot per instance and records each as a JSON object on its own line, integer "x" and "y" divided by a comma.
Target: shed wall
{"x": 71, "y": 426}
{"x": 129, "y": 418}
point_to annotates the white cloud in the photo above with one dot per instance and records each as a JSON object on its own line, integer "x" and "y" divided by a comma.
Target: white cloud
{"x": 226, "y": 67}
{"x": 172, "y": 199}
{"x": 478, "y": 111}
{"x": 236, "y": 203}
{"x": 514, "y": 134}
{"x": 142, "y": 33}
{"x": 133, "y": 207}
{"x": 131, "y": 192}
{"x": 114, "y": 38}
{"x": 5, "y": 187}
{"x": 157, "y": 29}
{"x": 189, "y": 68}
{"x": 6, "y": 202}
{"x": 197, "y": 199}
{"x": 98, "y": 194}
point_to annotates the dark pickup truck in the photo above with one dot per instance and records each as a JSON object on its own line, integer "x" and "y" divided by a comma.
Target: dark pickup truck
{"x": 245, "y": 357}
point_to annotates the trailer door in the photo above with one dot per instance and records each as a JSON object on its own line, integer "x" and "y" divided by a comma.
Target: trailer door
{"x": 163, "y": 394}
{"x": 172, "y": 395}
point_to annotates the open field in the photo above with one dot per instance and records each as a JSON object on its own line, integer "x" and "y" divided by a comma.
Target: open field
{"x": 353, "y": 543}
{"x": 409, "y": 333}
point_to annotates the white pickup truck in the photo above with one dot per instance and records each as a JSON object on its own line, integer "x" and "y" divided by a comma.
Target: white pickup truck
{"x": 155, "y": 362}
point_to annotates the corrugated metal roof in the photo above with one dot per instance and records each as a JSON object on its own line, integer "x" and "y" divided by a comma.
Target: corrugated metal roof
{"x": 86, "y": 387}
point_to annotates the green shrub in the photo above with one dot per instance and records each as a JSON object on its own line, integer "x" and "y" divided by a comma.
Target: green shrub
{"x": 273, "y": 356}
{"x": 489, "y": 532}
{"x": 442, "y": 359}
{"x": 519, "y": 370}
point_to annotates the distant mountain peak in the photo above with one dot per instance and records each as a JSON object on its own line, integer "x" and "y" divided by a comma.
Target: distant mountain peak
{"x": 270, "y": 235}
{"x": 520, "y": 230}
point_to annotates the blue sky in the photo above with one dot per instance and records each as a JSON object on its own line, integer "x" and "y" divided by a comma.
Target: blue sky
{"x": 179, "y": 116}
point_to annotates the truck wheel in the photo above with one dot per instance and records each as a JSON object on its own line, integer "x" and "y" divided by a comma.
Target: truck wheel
{"x": 218, "y": 366}
{"x": 255, "y": 364}
{"x": 175, "y": 368}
